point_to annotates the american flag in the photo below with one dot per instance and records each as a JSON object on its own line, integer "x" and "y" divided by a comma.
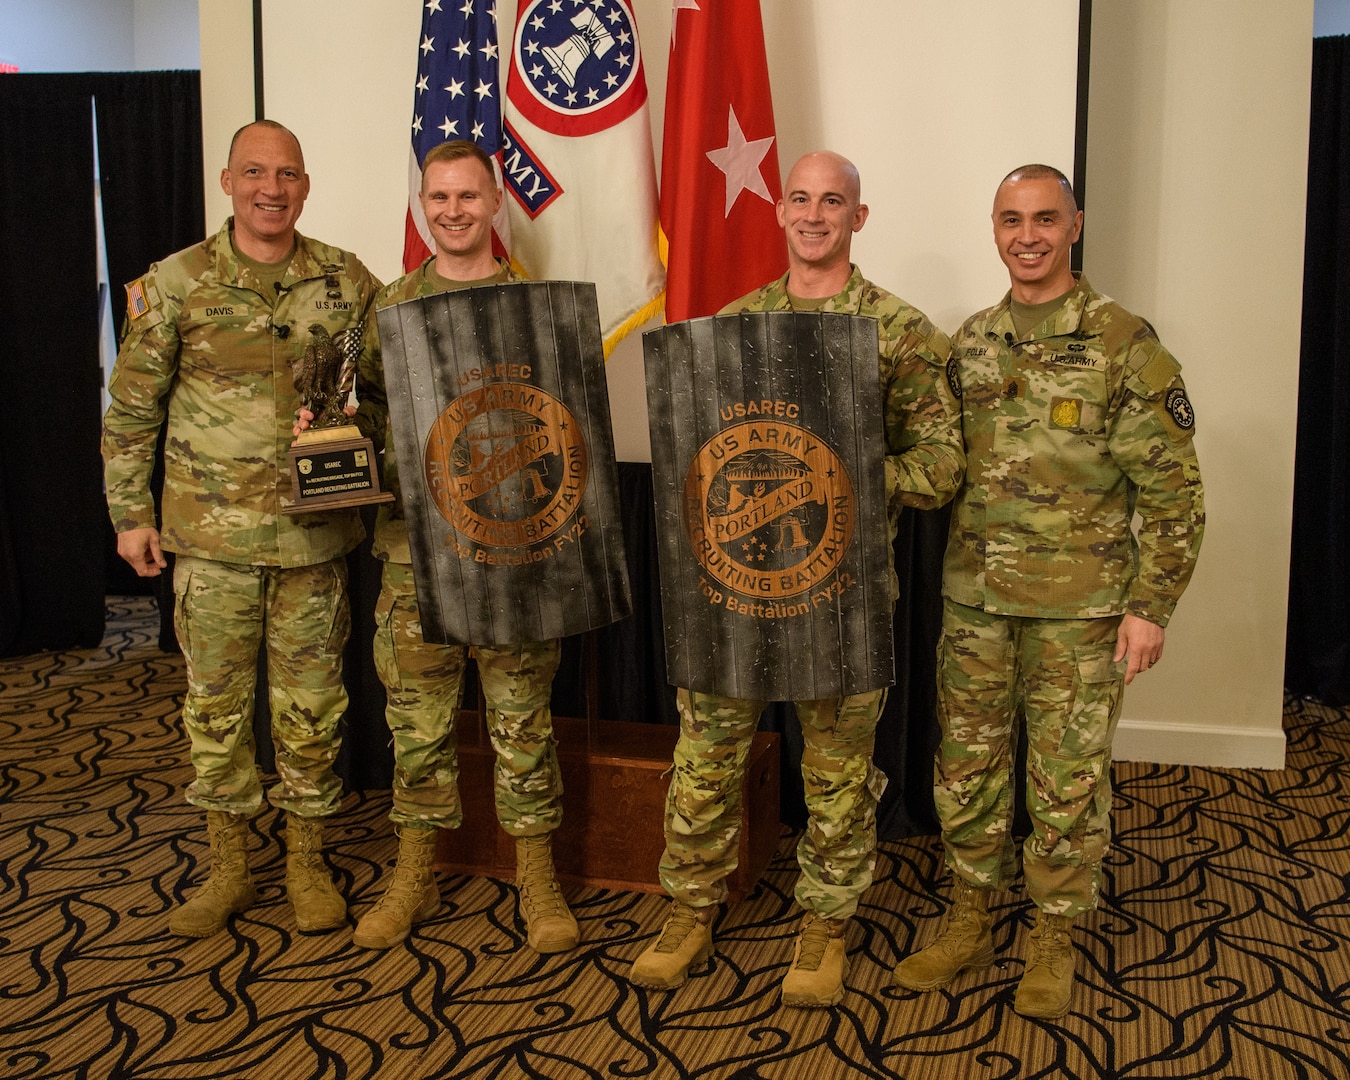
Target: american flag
{"x": 457, "y": 96}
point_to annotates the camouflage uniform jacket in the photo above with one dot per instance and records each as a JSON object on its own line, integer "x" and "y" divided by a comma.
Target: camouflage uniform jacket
{"x": 391, "y": 530}
{"x": 206, "y": 357}
{"x": 921, "y": 414}
{"x": 1068, "y": 434}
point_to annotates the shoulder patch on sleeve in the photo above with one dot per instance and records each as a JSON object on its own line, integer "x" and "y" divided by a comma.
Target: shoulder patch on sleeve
{"x": 137, "y": 304}
{"x": 1156, "y": 374}
{"x": 1175, "y": 413}
{"x": 1179, "y": 408}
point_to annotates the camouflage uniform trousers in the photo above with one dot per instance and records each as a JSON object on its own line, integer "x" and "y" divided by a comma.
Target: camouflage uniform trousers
{"x": 1061, "y": 676}
{"x": 223, "y": 613}
{"x": 423, "y": 683}
{"x": 837, "y": 853}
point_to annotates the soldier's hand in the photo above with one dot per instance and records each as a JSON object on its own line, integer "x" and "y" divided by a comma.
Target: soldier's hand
{"x": 303, "y": 419}
{"x": 1141, "y": 641}
{"x": 140, "y": 549}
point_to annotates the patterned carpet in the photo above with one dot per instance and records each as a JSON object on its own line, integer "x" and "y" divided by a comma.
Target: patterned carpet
{"x": 1222, "y": 950}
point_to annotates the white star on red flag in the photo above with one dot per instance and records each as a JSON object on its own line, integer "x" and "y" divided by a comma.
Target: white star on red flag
{"x": 680, "y": 5}
{"x": 740, "y": 161}
{"x": 719, "y": 143}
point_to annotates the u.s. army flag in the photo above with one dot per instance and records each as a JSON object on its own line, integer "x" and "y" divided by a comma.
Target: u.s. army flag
{"x": 577, "y": 157}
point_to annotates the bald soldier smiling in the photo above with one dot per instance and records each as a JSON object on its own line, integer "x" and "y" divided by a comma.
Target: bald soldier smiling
{"x": 820, "y": 211}
{"x": 212, "y": 336}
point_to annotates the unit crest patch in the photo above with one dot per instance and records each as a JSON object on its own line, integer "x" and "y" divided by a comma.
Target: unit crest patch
{"x": 1179, "y": 408}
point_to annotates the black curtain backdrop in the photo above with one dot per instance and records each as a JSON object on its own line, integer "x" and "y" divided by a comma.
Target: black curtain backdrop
{"x": 56, "y": 542}
{"x": 51, "y": 562}
{"x": 150, "y": 167}
{"x": 1317, "y": 653}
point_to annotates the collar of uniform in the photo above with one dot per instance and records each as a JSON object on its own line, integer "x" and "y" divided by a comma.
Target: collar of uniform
{"x": 427, "y": 283}
{"x": 1066, "y": 320}
{"x": 848, "y": 300}
{"x": 303, "y": 264}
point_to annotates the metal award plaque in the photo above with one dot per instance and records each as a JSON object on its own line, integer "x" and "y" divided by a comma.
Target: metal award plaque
{"x": 768, "y": 462}
{"x": 500, "y": 413}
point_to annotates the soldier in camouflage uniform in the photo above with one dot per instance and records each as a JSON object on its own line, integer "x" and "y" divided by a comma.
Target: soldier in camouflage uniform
{"x": 211, "y": 336}
{"x": 819, "y": 213}
{"x": 1075, "y": 420}
{"x": 423, "y": 681}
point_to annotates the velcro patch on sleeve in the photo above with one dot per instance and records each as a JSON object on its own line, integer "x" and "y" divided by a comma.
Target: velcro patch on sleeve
{"x": 1155, "y": 376}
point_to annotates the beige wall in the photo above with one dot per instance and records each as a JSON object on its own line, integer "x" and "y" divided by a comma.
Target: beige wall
{"x": 1197, "y": 161}
{"x": 1198, "y": 133}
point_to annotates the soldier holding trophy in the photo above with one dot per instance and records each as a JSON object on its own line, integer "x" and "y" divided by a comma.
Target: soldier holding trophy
{"x": 820, "y": 211}
{"x": 213, "y": 333}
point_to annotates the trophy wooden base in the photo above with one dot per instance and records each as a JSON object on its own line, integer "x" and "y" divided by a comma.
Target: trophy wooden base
{"x": 331, "y": 468}
{"x": 614, "y": 797}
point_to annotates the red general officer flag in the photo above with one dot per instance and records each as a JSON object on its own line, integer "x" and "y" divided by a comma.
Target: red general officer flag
{"x": 719, "y": 163}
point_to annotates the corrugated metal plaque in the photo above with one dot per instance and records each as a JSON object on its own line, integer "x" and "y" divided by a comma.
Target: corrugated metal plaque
{"x": 500, "y": 409}
{"x": 768, "y": 459}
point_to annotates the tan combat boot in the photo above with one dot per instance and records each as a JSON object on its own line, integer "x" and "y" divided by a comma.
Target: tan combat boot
{"x": 819, "y": 964}
{"x": 412, "y": 894}
{"x": 229, "y": 887}
{"x": 685, "y": 940}
{"x": 318, "y": 905}
{"x": 963, "y": 942}
{"x": 1047, "y": 981}
{"x": 549, "y": 925}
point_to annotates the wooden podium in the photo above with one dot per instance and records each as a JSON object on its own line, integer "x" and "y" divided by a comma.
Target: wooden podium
{"x": 615, "y": 776}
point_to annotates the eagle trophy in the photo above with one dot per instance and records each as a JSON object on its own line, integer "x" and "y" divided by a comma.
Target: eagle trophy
{"x": 325, "y": 373}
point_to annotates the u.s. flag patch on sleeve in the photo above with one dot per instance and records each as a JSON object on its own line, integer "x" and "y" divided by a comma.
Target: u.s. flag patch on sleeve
{"x": 136, "y": 302}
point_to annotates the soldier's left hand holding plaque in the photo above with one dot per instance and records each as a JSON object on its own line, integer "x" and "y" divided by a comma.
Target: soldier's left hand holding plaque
{"x": 332, "y": 463}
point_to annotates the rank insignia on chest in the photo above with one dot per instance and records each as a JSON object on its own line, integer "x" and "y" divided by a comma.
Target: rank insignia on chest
{"x": 137, "y": 305}
{"x": 1066, "y": 412}
{"x": 1013, "y": 389}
